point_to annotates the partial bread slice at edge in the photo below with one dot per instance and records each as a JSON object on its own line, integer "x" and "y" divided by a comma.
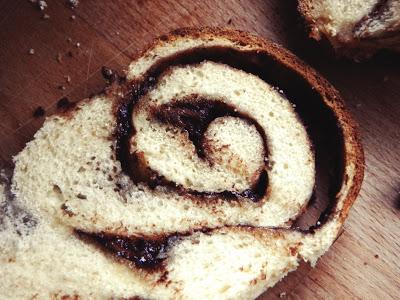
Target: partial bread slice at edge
{"x": 357, "y": 29}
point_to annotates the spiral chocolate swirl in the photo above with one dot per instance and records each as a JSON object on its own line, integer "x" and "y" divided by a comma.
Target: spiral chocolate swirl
{"x": 221, "y": 136}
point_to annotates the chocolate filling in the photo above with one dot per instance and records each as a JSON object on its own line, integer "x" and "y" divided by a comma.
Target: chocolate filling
{"x": 194, "y": 114}
{"x": 144, "y": 253}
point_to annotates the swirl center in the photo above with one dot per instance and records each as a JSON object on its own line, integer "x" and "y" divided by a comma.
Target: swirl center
{"x": 220, "y": 149}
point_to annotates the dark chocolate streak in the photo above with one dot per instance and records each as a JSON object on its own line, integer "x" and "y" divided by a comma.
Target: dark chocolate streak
{"x": 144, "y": 253}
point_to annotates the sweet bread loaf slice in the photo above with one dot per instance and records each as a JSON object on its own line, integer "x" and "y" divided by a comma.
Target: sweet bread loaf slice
{"x": 354, "y": 28}
{"x": 186, "y": 180}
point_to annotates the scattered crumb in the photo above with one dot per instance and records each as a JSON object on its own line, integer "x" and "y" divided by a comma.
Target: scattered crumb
{"x": 282, "y": 295}
{"x": 42, "y": 4}
{"x": 72, "y": 17}
{"x": 108, "y": 74}
{"x": 39, "y": 112}
{"x": 81, "y": 196}
{"x": 376, "y": 256}
{"x": 280, "y": 91}
{"x": 67, "y": 210}
{"x": 230, "y": 21}
{"x": 67, "y": 78}
{"x": 358, "y": 105}
{"x": 73, "y": 3}
{"x": 31, "y": 51}
{"x": 45, "y": 17}
{"x": 63, "y": 103}
{"x": 59, "y": 57}
{"x": 397, "y": 202}
{"x": 61, "y": 87}
{"x": 253, "y": 282}
{"x": 117, "y": 33}
{"x": 78, "y": 45}
{"x": 69, "y": 40}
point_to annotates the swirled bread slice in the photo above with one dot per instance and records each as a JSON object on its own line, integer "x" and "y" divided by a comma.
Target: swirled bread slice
{"x": 354, "y": 28}
{"x": 180, "y": 183}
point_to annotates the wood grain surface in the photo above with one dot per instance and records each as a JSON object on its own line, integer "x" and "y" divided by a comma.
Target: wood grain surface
{"x": 364, "y": 262}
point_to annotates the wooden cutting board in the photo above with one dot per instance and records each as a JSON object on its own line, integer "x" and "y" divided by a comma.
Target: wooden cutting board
{"x": 72, "y": 45}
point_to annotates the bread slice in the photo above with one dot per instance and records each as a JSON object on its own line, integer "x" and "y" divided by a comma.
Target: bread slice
{"x": 182, "y": 182}
{"x": 354, "y": 28}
